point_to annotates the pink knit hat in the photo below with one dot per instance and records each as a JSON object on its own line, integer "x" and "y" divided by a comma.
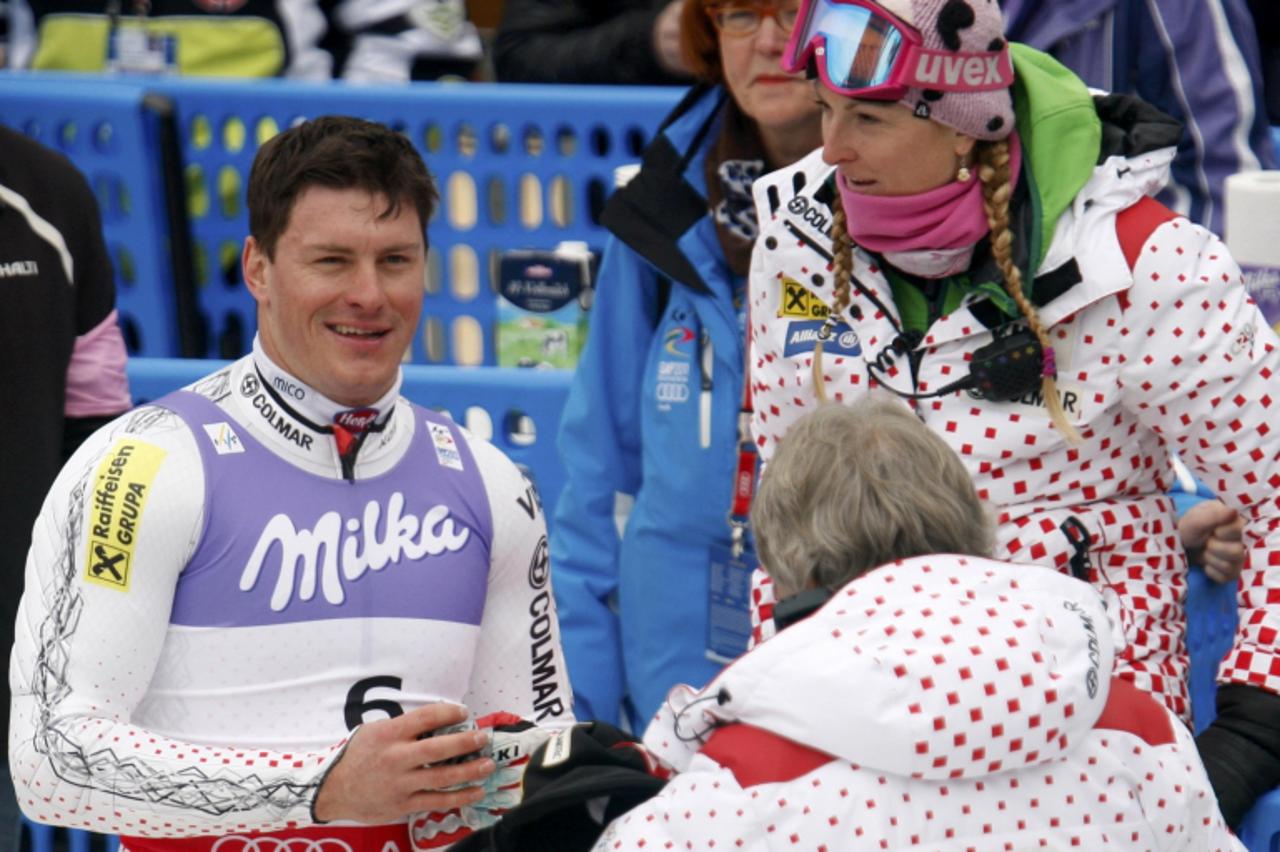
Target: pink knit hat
{"x": 967, "y": 25}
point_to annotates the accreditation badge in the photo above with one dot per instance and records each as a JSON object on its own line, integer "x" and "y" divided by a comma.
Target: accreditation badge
{"x": 136, "y": 50}
{"x": 729, "y": 603}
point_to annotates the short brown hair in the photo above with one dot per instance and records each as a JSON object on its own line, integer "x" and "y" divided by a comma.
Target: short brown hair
{"x": 338, "y": 152}
{"x": 853, "y": 487}
{"x": 699, "y": 41}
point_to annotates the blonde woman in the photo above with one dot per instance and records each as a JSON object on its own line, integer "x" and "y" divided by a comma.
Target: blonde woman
{"x": 975, "y": 238}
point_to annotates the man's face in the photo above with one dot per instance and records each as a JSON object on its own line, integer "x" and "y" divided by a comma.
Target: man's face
{"x": 339, "y": 304}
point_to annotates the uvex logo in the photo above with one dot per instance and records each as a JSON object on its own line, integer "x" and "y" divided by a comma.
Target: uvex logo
{"x": 367, "y": 546}
{"x": 357, "y": 419}
{"x": 933, "y": 69}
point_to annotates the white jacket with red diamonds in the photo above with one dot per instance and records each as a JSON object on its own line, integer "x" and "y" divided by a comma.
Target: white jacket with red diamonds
{"x": 939, "y": 703}
{"x": 1171, "y": 357}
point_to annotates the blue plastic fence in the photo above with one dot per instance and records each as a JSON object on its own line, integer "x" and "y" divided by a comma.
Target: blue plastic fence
{"x": 518, "y": 167}
{"x": 113, "y": 132}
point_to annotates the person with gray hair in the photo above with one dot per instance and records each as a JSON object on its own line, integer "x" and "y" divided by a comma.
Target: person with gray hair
{"x": 937, "y": 698}
{"x": 860, "y": 487}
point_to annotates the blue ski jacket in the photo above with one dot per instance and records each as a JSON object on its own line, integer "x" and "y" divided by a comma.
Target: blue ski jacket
{"x": 649, "y": 435}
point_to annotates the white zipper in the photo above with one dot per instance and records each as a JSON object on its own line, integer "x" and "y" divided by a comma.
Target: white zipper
{"x": 707, "y": 355}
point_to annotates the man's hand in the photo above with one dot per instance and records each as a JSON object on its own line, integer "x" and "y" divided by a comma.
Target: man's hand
{"x": 1212, "y": 535}
{"x": 512, "y": 741}
{"x": 390, "y": 770}
{"x": 666, "y": 40}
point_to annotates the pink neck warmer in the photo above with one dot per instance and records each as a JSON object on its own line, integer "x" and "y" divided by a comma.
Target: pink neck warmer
{"x": 949, "y": 217}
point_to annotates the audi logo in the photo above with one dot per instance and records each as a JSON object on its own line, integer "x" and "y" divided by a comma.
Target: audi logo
{"x": 236, "y": 843}
{"x": 672, "y": 392}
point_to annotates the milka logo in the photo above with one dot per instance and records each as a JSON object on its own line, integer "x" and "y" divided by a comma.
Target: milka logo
{"x": 932, "y": 68}
{"x": 362, "y": 549}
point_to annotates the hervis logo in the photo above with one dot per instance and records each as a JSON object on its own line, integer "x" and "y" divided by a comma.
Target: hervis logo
{"x": 119, "y": 495}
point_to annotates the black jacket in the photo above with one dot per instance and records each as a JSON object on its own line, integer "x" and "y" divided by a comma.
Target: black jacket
{"x": 579, "y": 41}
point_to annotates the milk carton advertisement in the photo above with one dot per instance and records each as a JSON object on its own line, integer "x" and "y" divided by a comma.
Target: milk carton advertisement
{"x": 543, "y": 299}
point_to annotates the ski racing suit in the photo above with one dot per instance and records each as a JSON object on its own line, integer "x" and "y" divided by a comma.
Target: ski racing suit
{"x": 215, "y": 599}
{"x": 1157, "y": 353}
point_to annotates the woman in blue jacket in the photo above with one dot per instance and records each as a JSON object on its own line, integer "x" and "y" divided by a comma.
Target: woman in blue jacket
{"x": 650, "y": 436}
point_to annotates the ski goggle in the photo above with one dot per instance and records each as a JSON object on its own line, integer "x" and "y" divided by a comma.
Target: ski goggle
{"x": 863, "y": 51}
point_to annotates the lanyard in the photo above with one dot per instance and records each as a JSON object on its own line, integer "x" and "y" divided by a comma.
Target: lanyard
{"x": 744, "y": 475}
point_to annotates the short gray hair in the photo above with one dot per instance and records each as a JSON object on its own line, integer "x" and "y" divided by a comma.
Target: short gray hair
{"x": 853, "y": 487}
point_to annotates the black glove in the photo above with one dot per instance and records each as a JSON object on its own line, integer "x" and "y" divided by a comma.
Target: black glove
{"x": 588, "y": 763}
{"x": 1241, "y": 749}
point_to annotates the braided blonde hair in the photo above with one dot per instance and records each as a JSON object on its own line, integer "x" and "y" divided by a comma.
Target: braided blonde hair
{"x": 842, "y": 272}
{"x": 993, "y": 171}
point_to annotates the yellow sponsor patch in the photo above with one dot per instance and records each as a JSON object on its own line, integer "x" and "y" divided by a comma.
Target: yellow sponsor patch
{"x": 799, "y": 303}
{"x": 116, "y": 503}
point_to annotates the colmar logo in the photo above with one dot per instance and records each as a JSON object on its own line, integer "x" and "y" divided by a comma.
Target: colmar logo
{"x": 808, "y": 212}
{"x": 542, "y": 655}
{"x": 539, "y": 565}
{"x": 1095, "y": 655}
{"x": 277, "y": 419}
{"x": 119, "y": 495}
{"x": 367, "y": 546}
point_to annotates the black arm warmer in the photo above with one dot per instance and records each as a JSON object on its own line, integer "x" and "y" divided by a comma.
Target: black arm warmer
{"x": 1241, "y": 749}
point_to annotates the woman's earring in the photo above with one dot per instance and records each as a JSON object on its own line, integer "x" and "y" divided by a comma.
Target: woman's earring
{"x": 963, "y": 174}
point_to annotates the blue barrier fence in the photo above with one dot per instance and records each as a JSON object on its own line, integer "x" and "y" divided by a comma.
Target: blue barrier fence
{"x": 518, "y": 166}
{"x": 117, "y": 135}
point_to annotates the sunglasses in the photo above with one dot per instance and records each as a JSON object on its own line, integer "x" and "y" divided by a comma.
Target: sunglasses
{"x": 863, "y": 51}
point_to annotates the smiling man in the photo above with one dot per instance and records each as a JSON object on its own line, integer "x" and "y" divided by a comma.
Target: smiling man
{"x": 266, "y": 605}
